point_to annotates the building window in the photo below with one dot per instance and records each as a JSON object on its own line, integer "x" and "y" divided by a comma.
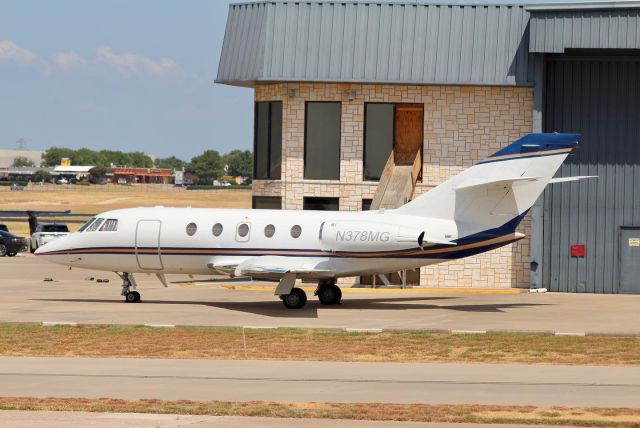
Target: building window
{"x": 191, "y": 229}
{"x": 217, "y": 229}
{"x": 269, "y": 230}
{"x": 322, "y": 141}
{"x": 378, "y": 138}
{"x": 296, "y": 231}
{"x": 266, "y": 202}
{"x": 267, "y": 141}
{"x": 321, "y": 204}
{"x": 391, "y": 127}
{"x": 366, "y": 204}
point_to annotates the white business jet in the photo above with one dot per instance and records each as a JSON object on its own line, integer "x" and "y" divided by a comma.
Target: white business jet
{"x": 473, "y": 212}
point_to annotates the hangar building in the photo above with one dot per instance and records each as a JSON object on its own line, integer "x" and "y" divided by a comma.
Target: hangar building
{"x": 342, "y": 89}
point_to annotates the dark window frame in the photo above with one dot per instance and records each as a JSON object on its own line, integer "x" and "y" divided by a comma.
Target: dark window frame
{"x": 364, "y": 137}
{"x": 306, "y": 125}
{"x": 254, "y": 199}
{"x": 318, "y": 198}
{"x": 269, "y": 140}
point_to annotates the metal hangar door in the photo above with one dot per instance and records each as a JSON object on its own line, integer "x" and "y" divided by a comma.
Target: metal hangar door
{"x": 584, "y": 222}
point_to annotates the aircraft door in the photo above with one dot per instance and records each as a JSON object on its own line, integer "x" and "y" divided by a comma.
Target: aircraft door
{"x": 148, "y": 244}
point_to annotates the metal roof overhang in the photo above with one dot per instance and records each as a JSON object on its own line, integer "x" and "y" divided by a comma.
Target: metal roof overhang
{"x": 554, "y": 28}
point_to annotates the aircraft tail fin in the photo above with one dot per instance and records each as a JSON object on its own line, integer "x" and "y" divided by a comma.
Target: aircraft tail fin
{"x": 499, "y": 188}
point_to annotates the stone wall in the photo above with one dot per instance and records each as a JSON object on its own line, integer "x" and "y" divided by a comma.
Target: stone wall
{"x": 462, "y": 124}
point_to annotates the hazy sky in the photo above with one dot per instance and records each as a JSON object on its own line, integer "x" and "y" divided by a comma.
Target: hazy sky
{"x": 133, "y": 75}
{"x": 118, "y": 74}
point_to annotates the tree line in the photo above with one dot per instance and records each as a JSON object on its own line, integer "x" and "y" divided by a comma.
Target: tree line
{"x": 205, "y": 167}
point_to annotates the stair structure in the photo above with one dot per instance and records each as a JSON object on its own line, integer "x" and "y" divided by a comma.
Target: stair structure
{"x": 396, "y": 187}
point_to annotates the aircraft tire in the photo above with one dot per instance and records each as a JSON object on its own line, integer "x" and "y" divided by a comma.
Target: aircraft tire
{"x": 295, "y": 300}
{"x": 132, "y": 297}
{"x": 329, "y": 294}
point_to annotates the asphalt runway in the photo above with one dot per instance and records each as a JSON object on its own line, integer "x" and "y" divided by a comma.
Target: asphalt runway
{"x": 73, "y": 297}
{"x": 312, "y": 381}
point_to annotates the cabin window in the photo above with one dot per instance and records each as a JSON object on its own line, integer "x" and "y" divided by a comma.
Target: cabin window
{"x": 322, "y": 141}
{"x": 95, "y": 225}
{"x": 296, "y": 231}
{"x": 242, "y": 232}
{"x": 111, "y": 225}
{"x": 269, "y": 230}
{"x": 192, "y": 228}
{"x": 366, "y": 204}
{"x": 217, "y": 229}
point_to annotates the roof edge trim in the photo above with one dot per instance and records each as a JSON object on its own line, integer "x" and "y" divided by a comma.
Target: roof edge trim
{"x": 592, "y": 5}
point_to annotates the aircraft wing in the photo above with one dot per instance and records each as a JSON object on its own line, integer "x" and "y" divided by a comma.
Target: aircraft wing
{"x": 278, "y": 266}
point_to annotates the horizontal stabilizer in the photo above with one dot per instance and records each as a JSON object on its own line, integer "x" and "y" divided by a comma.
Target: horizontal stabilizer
{"x": 574, "y": 178}
{"x": 487, "y": 182}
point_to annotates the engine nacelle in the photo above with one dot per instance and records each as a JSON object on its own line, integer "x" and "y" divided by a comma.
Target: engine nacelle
{"x": 367, "y": 236}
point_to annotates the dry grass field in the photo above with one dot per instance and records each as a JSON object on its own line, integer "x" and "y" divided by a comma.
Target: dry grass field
{"x": 234, "y": 343}
{"x": 87, "y": 201}
{"x": 524, "y": 415}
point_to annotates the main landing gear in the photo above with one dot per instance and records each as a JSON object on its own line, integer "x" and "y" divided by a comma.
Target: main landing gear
{"x": 128, "y": 282}
{"x": 328, "y": 293}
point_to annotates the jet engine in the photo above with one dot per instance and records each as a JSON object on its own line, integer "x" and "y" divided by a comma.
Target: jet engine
{"x": 367, "y": 236}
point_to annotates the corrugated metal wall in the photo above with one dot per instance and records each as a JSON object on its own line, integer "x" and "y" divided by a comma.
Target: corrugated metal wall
{"x": 376, "y": 42}
{"x": 600, "y": 98}
{"x": 555, "y": 31}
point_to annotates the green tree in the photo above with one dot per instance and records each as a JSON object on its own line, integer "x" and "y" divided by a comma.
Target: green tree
{"x": 207, "y": 166}
{"x": 22, "y": 161}
{"x": 53, "y": 155}
{"x": 87, "y": 157}
{"x": 140, "y": 160}
{"x": 99, "y": 171}
{"x": 42, "y": 175}
{"x": 239, "y": 163}
{"x": 170, "y": 162}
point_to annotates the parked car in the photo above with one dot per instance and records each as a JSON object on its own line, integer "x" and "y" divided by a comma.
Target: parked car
{"x": 16, "y": 186}
{"x": 62, "y": 181}
{"x": 10, "y": 244}
{"x": 4, "y": 227}
{"x": 47, "y": 232}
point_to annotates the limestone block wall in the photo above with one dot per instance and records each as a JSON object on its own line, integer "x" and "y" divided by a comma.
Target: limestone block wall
{"x": 462, "y": 124}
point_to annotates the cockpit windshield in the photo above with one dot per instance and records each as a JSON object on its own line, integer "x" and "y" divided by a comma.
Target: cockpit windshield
{"x": 84, "y": 226}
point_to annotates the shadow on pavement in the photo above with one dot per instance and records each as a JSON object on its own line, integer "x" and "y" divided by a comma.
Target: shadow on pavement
{"x": 276, "y": 309}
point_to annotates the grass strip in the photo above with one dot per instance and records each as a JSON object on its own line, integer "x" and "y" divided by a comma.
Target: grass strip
{"x": 530, "y": 415}
{"x": 313, "y": 344}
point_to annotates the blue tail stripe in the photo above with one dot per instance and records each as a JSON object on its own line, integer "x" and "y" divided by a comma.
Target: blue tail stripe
{"x": 532, "y": 143}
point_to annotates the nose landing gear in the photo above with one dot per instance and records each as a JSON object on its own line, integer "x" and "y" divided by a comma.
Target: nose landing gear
{"x": 128, "y": 282}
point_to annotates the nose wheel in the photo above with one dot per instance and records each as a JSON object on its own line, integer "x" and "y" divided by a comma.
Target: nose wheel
{"x": 132, "y": 297}
{"x": 128, "y": 282}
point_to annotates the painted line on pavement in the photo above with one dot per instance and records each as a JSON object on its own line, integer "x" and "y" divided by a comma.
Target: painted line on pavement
{"x": 571, "y": 333}
{"x": 160, "y": 325}
{"x": 55, "y": 323}
{"x": 468, "y": 332}
{"x": 363, "y": 330}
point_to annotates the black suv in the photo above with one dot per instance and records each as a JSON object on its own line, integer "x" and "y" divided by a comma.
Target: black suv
{"x": 10, "y": 245}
